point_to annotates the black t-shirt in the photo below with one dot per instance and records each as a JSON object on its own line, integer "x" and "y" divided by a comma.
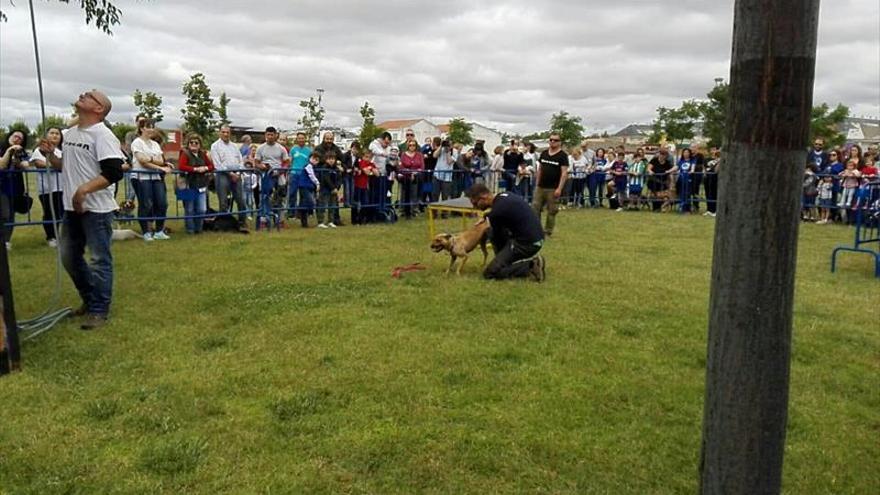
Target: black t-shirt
{"x": 511, "y": 214}
{"x": 512, "y": 160}
{"x": 661, "y": 168}
{"x": 551, "y": 168}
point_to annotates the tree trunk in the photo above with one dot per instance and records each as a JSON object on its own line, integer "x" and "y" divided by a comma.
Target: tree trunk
{"x": 747, "y": 372}
{"x": 9, "y": 350}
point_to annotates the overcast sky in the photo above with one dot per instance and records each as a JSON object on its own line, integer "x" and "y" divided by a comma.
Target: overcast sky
{"x": 507, "y": 64}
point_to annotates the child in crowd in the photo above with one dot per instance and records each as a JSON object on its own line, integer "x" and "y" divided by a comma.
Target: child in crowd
{"x": 619, "y": 170}
{"x": 523, "y": 179}
{"x": 850, "y": 178}
{"x": 392, "y": 166}
{"x": 636, "y": 179}
{"x": 360, "y": 211}
{"x": 578, "y": 177}
{"x": 330, "y": 179}
{"x": 307, "y": 184}
{"x": 811, "y": 190}
{"x": 826, "y": 199}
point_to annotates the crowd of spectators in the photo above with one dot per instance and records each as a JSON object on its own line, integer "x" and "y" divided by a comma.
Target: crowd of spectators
{"x": 287, "y": 178}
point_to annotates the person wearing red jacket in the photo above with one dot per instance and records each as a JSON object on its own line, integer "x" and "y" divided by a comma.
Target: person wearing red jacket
{"x": 196, "y": 168}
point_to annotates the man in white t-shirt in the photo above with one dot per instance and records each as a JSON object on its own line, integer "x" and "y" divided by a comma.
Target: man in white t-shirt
{"x": 92, "y": 162}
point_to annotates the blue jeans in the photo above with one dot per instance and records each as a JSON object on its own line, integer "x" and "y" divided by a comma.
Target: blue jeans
{"x": 291, "y": 193}
{"x": 195, "y": 207}
{"x": 93, "y": 280}
{"x": 595, "y": 183}
{"x": 152, "y": 198}
{"x": 306, "y": 203}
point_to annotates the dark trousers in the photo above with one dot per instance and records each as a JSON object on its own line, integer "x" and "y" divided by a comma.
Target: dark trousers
{"x": 595, "y": 183}
{"x": 409, "y": 198}
{"x": 710, "y": 183}
{"x": 52, "y": 202}
{"x": 514, "y": 260}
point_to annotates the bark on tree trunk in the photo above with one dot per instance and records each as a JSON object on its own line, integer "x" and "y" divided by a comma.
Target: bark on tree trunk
{"x": 747, "y": 372}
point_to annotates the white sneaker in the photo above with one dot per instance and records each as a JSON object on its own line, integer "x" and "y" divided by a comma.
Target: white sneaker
{"x": 331, "y": 225}
{"x": 8, "y": 246}
{"x": 711, "y": 214}
{"x": 322, "y": 226}
{"x": 148, "y": 237}
{"x": 52, "y": 243}
{"x": 161, "y": 236}
{"x": 619, "y": 209}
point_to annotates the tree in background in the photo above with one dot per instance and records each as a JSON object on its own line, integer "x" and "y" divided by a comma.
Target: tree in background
{"x": 676, "y": 125}
{"x": 313, "y": 115}
{"x": 222, "y": 110}
{"x": 369, "y": 131}
{"x": 714, "y": 112}
{"x": 102, "y": 12}
{"x": 121, "y": 130}
{"x": 198, "y": 113}
{"x": 569, "y": 127}
{"x": 825, "y": 124}
{"x": 680, "y": 124}
{"x": 149, "y": 104}
{"x": 536, "y": 136}
{"x": 51, "y": 121}
{"x": 460, "y": 131}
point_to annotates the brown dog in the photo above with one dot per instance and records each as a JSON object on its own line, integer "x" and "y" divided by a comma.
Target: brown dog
{"x": 459, "y": 245}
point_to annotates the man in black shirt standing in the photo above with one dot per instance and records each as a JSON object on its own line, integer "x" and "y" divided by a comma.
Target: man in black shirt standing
{"x": 552, "y": 174}
{"x": 515, "y": 234}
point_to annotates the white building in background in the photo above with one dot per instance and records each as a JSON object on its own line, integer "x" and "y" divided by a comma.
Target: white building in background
{"x": 422, "y": 129}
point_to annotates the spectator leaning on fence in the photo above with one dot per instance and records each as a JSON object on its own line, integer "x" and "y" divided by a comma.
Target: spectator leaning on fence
{"x": 307, "y": 183}
{"x": 552, "y": 174}
{"x": 13, "y": 159}
{"x": 49, "y": 186}
{"x": 330, "y": 180}
{"x": 349, "y": 164}
{"x": 299, "y": 158}
{"x": 228, "y": 163}
{"x": 197, "y": 167}
{"x": 381, "y": 150}
{"x": 148, "y": 178}
{"x": 658, "y": 178}
{"x": 411, "y": 165}
{"x": 271, "y": 158}
{"x": 636, "y": 178}
{"x": 92, "y": 162}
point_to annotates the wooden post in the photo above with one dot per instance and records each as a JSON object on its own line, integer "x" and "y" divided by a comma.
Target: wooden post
{"x": 750, "y": 317}
{"x": 9, "y": 351}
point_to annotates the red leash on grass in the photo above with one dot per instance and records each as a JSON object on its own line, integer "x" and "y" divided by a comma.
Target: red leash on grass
{"x": 400, "y": 270}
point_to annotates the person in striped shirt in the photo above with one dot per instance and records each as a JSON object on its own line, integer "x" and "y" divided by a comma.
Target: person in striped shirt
{"x": 637, "y": 178}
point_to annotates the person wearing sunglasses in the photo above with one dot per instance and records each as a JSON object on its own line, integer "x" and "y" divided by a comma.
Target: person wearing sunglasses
{"x": 198, "y": 167}
{"x": 91, "y": 163}
{"x": 552, "y": 175}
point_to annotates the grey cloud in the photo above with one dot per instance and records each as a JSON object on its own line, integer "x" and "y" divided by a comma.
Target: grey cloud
{"x": 508, "y": 64}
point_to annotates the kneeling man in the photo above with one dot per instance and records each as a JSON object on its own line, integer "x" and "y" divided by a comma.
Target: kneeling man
{"x": 516, "y": 235}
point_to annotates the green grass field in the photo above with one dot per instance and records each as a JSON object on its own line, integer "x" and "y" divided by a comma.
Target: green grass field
{"x": 293, "y": 363}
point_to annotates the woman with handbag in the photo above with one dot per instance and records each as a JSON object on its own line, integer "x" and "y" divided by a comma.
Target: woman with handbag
{"x": 198, "y": 167}
{"x": 13, "y": 198}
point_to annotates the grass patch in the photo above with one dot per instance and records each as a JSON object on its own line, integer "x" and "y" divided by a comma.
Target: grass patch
{"x": 300, "y": 366}
{"x": 172, "y": 457}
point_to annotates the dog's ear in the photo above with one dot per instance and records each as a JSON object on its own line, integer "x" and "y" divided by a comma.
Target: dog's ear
{"x": 447, "y": 236}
